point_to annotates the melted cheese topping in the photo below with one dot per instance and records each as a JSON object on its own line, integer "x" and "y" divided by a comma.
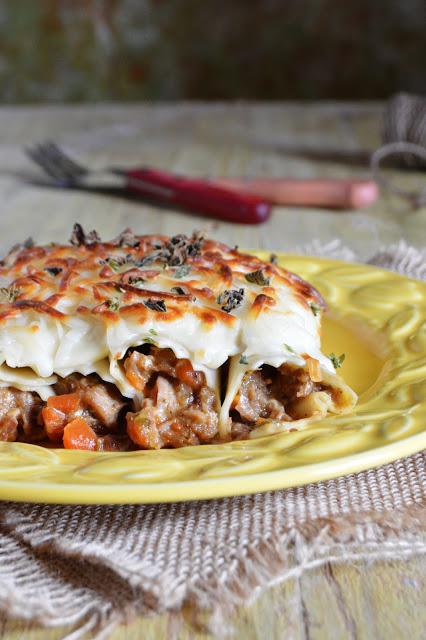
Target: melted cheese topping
{"x": 66, "y": 309}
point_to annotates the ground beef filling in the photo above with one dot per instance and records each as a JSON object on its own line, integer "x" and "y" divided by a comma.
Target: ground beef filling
{"x": 269, "y": 394}
{"x": 173, "y": 406}
{"x": 19, "y": 411}
{"x": 85, "y": 414}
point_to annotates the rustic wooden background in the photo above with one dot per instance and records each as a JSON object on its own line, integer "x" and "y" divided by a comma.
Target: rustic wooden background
{"x": 357, "y": 601}
{"x": 322, "y": 139}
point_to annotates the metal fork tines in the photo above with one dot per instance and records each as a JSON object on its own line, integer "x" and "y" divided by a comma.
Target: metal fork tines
{"x": 57, "y": 164}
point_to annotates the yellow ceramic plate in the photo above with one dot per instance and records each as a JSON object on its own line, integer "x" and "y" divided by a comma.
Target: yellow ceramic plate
{"x": 376, "y": 317}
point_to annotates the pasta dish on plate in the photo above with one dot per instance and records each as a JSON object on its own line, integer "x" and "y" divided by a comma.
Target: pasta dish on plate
{"x": 150, "y": 341}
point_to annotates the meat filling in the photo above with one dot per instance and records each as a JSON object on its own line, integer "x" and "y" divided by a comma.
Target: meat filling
{"x": 98, "y": 402}
{"x": 173, "y": 405}
{"x": 82, "y": 400}
{"x": 269, "y": 394}
{"x": 18, "y": 412}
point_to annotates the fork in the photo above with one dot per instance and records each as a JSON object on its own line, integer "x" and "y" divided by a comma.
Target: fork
{"x": 201, "y": 196}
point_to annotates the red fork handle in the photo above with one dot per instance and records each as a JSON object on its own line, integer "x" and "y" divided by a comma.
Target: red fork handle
{"x": 206, "y": 198}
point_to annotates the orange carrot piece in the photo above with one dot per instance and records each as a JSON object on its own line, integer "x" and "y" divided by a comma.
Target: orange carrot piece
{"x": 186, "y": 374}
{"x": 67, "y": 402}
{"x": 79, "y": 435}
{"x": 135, "y": 380}
{"x": 142, "y": 433}
{"x": 54, "y": 422}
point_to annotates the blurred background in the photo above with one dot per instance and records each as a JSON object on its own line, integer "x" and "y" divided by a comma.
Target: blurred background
{"x": 127, "y": 50}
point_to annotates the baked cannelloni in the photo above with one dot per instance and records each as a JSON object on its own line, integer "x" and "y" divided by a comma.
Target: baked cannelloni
{"x": 150, "y": 341}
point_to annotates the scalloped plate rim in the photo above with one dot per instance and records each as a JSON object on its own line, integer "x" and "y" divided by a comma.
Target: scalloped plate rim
{"x": 271, "y": 480}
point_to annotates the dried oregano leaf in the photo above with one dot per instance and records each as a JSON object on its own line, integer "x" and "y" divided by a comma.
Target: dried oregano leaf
{"x": 258, "y": 277}
{"x": 156, "y": 305}
{"x": 337, "y": 360}
{"x": 230, "y": 299}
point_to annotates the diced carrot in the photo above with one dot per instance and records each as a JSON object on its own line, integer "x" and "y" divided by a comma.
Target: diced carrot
{"x": 135, "y": 379}
{"x": 186, "y": 374}
{"x": 54, "y": 422}
{"x": 52, "y": 417}
{"x": 67, "y": 402}
{"x": 177, "y": 427}
{"x": 142, "y": 432}
{"x": 79, "y": 435}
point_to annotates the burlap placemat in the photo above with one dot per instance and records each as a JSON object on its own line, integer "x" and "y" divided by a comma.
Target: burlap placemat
{"x": 93, "y": 567}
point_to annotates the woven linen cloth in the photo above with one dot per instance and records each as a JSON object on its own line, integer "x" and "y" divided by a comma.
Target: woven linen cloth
{"x": 92, "y": 567}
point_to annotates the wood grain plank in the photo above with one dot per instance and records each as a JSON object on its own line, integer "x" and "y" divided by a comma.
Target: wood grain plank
{"x": 361, "y": 601}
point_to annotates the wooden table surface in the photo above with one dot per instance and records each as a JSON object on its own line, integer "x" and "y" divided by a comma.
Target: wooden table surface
{"x": 381, "y": 600}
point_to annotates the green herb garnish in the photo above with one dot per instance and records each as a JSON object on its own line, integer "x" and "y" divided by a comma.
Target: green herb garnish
{"x": 114, "y": 264}
{"x": 287, "y": 346}
{"x": 113, "y": 304}
{"x": 156, "y": 305}
{"x": 117, "y": 263}
{"x": 182, "y": 271}
{"x": 337, "y": 360}
{"x": 315, "y": 308}
{"x": 230, "y": 299}
{"x": 179, "y": 291}
{"x": 143, "y": 262}
{"x": 243, "y": 360}
{"x": 153, "y": 332}
{"x": 136, "y": 281}
{"x": 10, "y": 293}
{"x": 149, "y": 340}
{"x": 258, "y": 277}
{"x": 79, "y": 237}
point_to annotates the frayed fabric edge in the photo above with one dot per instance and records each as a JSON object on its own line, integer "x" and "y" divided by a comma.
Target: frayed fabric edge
{"x": 81, "y": 623}
{"x": 265, "y": 563}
